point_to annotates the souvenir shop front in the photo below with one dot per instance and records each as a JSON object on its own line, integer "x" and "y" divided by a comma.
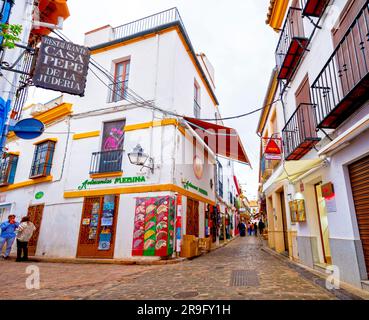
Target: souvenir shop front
{"x": 151, "y": 232}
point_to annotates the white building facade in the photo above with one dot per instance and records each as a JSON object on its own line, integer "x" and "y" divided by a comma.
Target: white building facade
{"x": 82, "y": 180}
{"x": 317, "y": 196}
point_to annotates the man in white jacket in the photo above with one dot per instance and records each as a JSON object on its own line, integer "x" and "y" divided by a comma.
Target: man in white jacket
{"x": 25, "y": 231}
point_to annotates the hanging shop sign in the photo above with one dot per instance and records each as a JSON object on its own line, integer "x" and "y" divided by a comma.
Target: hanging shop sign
{"x": 297, "y": 210}
{"x": 153, "y": 232}
{"x": 272, "y": 149}
{"x": 61, "y": 66}
{"x": 328, "y": 190}
{"x": 120, "y": 180}
{"x": 188, "y": 185}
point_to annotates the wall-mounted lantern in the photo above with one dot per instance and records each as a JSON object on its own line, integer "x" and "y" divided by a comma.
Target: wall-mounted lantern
{"x": 139, "y": 158}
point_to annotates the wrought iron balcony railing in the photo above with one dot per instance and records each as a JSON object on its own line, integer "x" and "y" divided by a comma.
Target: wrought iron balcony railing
{"x": 118, "y": 91}
{"x": 106, "y": 161}
{"x": 300, "y": 134}
{"x": 343, "y": 84}
{"x": 313, "y": 8}
{"x": 154, "y": 21}
{"x": 292, "y": 44}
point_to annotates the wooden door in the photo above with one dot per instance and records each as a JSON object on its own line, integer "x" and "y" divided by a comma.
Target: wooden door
{"x": 98, "y": 225}
{"x": 284, "y": 221}
{"x": 192, "y": 217}
{"x": 35, "y": 215}
{"x": 359, "y": 176}
{"x": 306, "y": 117}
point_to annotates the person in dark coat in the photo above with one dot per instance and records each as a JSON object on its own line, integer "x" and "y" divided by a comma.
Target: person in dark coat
{"x": 261, "y": 226}
{"x": 255, "y": 229}
{"x": 242, "y": 229}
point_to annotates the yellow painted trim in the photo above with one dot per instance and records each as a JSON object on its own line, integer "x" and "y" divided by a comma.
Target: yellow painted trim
{"x": 278, "y": 13}
{"x": 137, "y": 39}
{"x": 106, "y": 175}
{"x": 50, "y": 115}
{"x": 46, "y": 139}
{"x": 14, "y": 153}
{"x": 85, "y": 135}
{"x": 26, "y": 183}
{"x": 137, "y": 189}
{"x": 146, "y": 125}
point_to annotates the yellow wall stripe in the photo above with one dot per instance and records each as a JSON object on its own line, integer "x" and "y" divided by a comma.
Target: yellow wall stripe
{"x": 26, "y": 183}
{"x": 85, "y": 135}
{"x": 137, "y": 189}
{"x": 50, "y": 115}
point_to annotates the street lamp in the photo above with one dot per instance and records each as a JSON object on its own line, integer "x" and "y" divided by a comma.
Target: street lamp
{"x": 139, "y": 158}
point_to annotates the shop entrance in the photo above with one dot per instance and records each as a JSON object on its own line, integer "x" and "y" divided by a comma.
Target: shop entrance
{"x": 359, "y": 176}
{"x": 284, "y": 220}
{"x": 323, "y": 224}
{"x": 97, "y": 230}
{"x": 35, "y": 214}
{"x": 192, "y": 217}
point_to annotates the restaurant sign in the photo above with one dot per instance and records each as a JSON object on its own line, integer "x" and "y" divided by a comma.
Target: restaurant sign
{"x": 120, "y": 180}
{"x": 61, "y": 66}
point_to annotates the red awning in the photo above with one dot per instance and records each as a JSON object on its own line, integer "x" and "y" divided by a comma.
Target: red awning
{"x": 221, "y": 140}
{"x": 237, "y": 185}
{"x": 50, "y": 10}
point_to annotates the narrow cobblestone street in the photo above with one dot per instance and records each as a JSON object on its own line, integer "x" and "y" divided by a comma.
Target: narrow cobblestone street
{"x": 217, "y": 275}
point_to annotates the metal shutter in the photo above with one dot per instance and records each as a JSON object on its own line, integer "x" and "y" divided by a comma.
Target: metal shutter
{"x": 359, "y": 176}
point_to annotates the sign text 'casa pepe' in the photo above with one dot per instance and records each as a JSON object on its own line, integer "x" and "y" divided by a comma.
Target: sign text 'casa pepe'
{"x": 61, "y": 66}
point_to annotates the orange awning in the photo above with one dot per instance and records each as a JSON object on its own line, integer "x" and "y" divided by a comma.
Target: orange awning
{"x": 223, "y": 141}
{"x": 50, "y": 10}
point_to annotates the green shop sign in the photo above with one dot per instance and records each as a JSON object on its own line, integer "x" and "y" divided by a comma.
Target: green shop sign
{"x": 120, "y": 180}
{"x": 188, "y": 185}
{"x": 39, "y": 195}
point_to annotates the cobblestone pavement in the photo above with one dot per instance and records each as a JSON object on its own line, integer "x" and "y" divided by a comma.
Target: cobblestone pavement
{"x": 206, "y": 277}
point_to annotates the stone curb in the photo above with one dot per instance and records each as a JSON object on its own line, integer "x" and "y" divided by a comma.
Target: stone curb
{"x": 349, "y": 288}
{"x": 106, "y": 261}
{"x": 122, "y": 261}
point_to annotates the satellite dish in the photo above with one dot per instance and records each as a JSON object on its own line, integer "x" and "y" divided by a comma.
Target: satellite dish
{"x": 29, "y": 128}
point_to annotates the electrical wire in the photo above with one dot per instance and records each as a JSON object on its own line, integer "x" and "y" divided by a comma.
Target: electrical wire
{"x": 140, "y": 100}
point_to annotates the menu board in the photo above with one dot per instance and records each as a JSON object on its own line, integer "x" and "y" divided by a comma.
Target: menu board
{"x": 153, "y": 232}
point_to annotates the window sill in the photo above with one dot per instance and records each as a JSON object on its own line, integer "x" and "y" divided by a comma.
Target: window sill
{"x": 106, "y": 175}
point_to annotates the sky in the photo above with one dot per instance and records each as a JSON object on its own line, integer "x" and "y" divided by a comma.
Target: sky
{"x": 232, "y": 34}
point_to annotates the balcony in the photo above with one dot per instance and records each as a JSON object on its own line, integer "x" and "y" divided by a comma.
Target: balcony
{"x": 118, "y": 91}
{"x": 343, "y": 84}
{"x": 266, "y": 168}
{"x": 156, "y": 21}
{"x": 106, "y": 162}
{"x": 300, "y": 134}
{"x": 313, "y": 8}
{"x": 292, "y": 44}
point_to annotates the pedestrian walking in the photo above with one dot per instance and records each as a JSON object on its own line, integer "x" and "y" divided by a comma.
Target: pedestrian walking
{"x": 261, "y": 226}
{"x": 251, "y": 229}
{"x": 255, "y": 229}
{"x": 25, "y": 231}
{"x": 242, "y": 228}
{"x": 8, "y": 235}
